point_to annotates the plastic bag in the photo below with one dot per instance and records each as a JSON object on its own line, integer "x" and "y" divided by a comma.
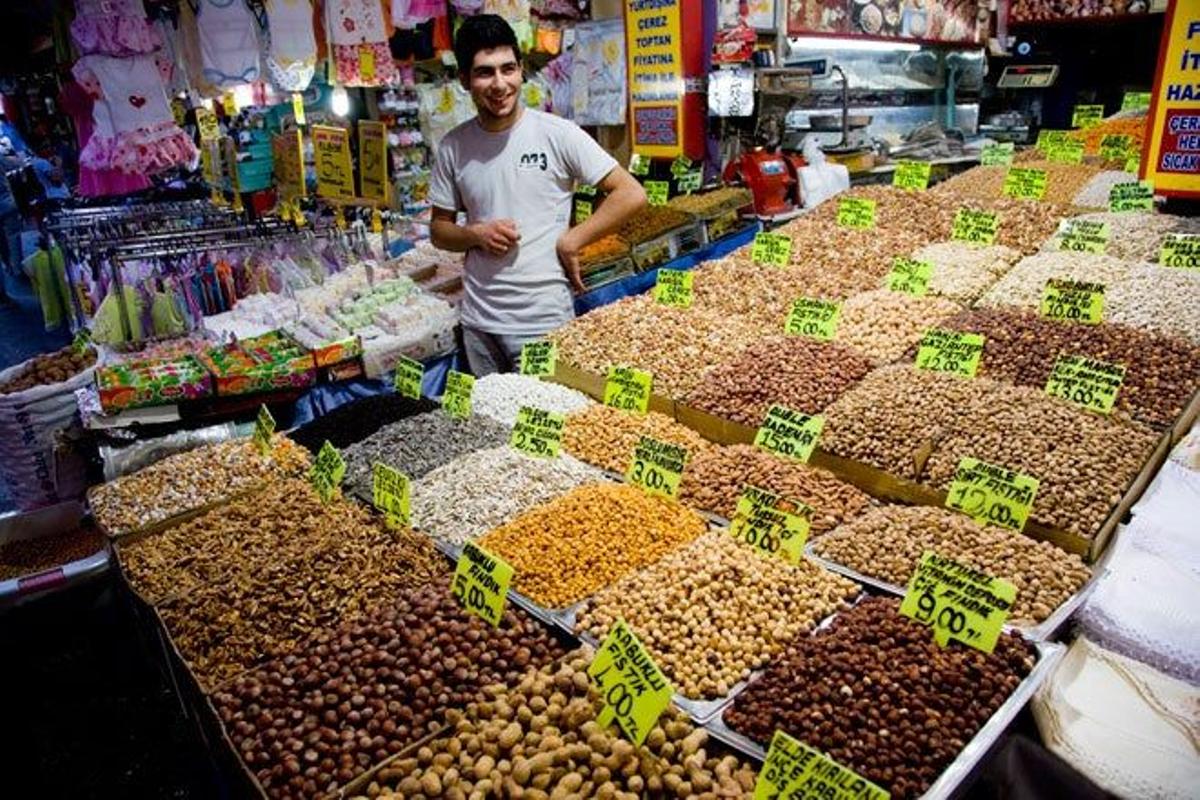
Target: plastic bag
{"x": 820, "y": 180}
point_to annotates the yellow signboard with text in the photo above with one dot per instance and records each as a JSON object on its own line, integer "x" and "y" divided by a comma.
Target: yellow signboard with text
{"x": 331, "y": 152}
{"x": 654, "y": 52}
{"x": 372, "y": 160}
{"x": 1172, "y": 157}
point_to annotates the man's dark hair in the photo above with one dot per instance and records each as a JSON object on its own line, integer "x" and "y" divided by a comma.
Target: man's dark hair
{"x": 482, "y": 32}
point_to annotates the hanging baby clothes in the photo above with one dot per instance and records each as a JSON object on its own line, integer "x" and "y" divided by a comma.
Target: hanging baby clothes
{"x": 47, "y": 272}
{"x": 292, "y": 49}
{"x": 411, "y": 13}
{"x": 358, "y": 36}
{"x": 95, "y": 182}
{"x": 113, "y": 28}
{"x": 228, "y": 43}
{"x": 135, "y": 131}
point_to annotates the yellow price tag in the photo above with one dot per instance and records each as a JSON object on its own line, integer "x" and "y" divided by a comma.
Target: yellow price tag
{"x": 1083, "y": 236}
{"x": 264, "y": 428}
{"x": 456, "y": 400}
{"x": 583, "y": 211}
{"x": 390, "y": 494}
{"x": 912, "y": 175}
{"x": 327, "y": 471}
{"x": 950, "y": 351}
{"x": 539, "y": 359}
{"x": 1073, "y": 301}
{"x": 909, "y": 276}
{"x": 658, "y": 192}
{"x": 992, "y": 494}
{"x": 673, "y": 287}
{"x": 772, "y": 248}
{"x": 628, "y": 389}
{"x": 481, "y": 582}
{"x": 1025, "y": 183}
{"x": 958, "y": 602}
{"x": 816, "y": 319}
{"x": 856, "y": 212}
{"x": 795, "y": 771}
{"x": 1068, "y": 151}
{"x": 771, "y": 523}
{"x": 229, "y": 104}
{"x": 657, "y": 467}
{"x": 1181, "y": 250}
{"x": 409, "y": 377}
{"x": 1132, "y": 196}
{"x": 975, "y": 227}
{"x": 366, "y": 62}
{"x": 298, "y": 108}
{"x": 789, "y": 433}
{"x": 538, "y": 433}
{"x": 995, "y": 155}
{"x": 376, "y": 221}
{"x": 1086, "y": 382}
{"x": 1086, "y": 116}
{"x": 634, "y": 690}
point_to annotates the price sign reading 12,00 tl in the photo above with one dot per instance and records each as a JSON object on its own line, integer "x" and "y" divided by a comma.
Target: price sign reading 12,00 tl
{"x": 633, "y": 688}
{"x": 628, "y": 389}
{"x": 657, "y": 467}
{"x": 958, "y": 602}
{"x": 992, "y": 494}
{"x": 950, "y": 351}
{"x": 789, "y": 433}
{"x": 481, "y": 583}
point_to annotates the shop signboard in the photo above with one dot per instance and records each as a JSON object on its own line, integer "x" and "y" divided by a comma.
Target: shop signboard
{"x": 654, "y": 48}
{"x": 287, "y": 150}
{"x": 372, "y": 160}
{"x": 1172, "y": 157}
{"x": 331, "y": 152}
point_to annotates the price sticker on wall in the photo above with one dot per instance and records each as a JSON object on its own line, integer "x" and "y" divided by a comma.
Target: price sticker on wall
{"x": 673, "y": 287}
{"x": 856, "y": 212}
{"x": 1083, "y": 236}
{"x": 634, "y": 690}
{"x": 1086, "y": 382}
{"x": 958, "y": 602}
{"x": 1132, "y": 101}
{"x": 658, "y": 192}
{"x": 789, "y": 433}
{"x": 1073, "y": 301}
{"x": 992, "y": 494}
{"x": 408, "y": 378}
{"x": 1116, "y": 147}
{"x": 975, "y": 227}
{"x": 950, "y": 351}
{"x": 327, "y": 471}
{"x": 657, "y": 467}
{"x": 1180, "y": 250}
{"x": 995, "y": 155}
{"x": 456, "y": 400}
{"x": 628, "y": 389}
{"x": 539, "y": 359}
{"x": 774, "y": 249}
{"x": 816, "y": 319}
{"x": 1086, "y": 116}
{"x": 480, "y": 583}
{"x": 909, "y": 276}
{"x": 538, "y": 433}
{"x": 1131, "y": 196}
{"x": 912, "y": 175}
{"x": 390, "y": 494}
{"x": 583, "y": 211}
{"x": 771, "y": 524}
{"x": 1025, "y": 183}
{"x": 264, "y": 427}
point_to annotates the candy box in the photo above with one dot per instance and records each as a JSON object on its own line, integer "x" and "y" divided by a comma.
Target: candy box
{"x": 152, "y": 382}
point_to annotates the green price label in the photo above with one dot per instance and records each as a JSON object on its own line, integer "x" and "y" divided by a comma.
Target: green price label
{"x": 673, "y": 287}
{"x": 771, "y": 524}
{"x": 83, "y": 337}
{"x": 772, "y": 248}
{"x": 1025, "y": 183}
{"x": 681, "y": 166}
{"x": 1132, "y": 101}
{"x": 480, "y": 583}
{"x": 690, "y": 181}
{"x": 1132, "y": 196}
{"x": 1087, "y": 116}
{"x": 539, "y": 359}
{"x": 658, "y": 192}
{"x": 1047, "y": 139}
{"x": 789, "y": 433}
{"x": 816, "y": 319}
{"x": 1116, "y": 146}
{"x": 657, "y": 467}
{"x": 855, "y": 212}
{"x": 583, "y": 210}
{"x": 264, "y": 427}
{"x": 909, "y": 276}
{"x": 586, "y": 189}
{"x": 1133, "y": 164}
{"x": 628, "y": 389}
{"x": 958, "y": 602}
{"x": 456, "y": 400}
{"x": 794, "y": 771}
{"x": 409, "y": 376}
{"x": 1073, "y": 301}
{"x": 1180, "y": 250}
{"x": 950, "y": 351}
{"x": 639, "y": 165}
{"x": 975, "y": 227}
{"x": 787, "y": 761}
{"x": 995, "y": 155}
{"x": 1083, "y": 236}
{"x": 1068, "y": 151}
{"x": 912, "y": 175}
{"x": 538, "y": 433}
{"x": 634, "y": 690}
{"x": 327, "y": 471}
{"x": 992, "y": 494}
{"x": 390, "y": 494}
{"x": 1086, "y": 382}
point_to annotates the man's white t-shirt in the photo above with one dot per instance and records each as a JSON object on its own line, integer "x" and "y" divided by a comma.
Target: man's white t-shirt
{"x": 527, "y": 173}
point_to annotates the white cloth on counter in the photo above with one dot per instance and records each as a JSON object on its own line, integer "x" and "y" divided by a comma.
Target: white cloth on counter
{"x": 1171, "y": 500}
{"x": 1130, "y": 729}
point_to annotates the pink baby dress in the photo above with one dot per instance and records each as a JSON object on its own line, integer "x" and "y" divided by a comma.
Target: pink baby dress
{"x": 292, "y": 48}
{"x": 356, "y": 26}
{"x": 113, "y": 28}
{"x": 228, "y": 43}
{"x": 135, "y": 131}
{"x": 76, "y": 101}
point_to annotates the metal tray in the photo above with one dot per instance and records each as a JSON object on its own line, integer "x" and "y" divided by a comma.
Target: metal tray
{"x": 970, "y": 757}
{"x": 44, "y": 522}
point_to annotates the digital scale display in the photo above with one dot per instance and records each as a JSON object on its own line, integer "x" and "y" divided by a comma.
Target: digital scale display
{"x": 1028, "y": 76}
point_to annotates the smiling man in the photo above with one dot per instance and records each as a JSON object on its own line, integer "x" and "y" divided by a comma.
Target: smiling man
{"x": 513, "y": 171}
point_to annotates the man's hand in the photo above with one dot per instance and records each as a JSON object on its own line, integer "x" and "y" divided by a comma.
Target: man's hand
{"x": 496, "y": 237}
{"x": 568, "y": 257}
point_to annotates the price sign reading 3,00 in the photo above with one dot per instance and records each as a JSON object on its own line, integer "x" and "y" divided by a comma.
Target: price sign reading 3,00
{"x": 657, "y": 467}
{"x": 633, "y": 688}
{"x": 991, "y": 493}
{"x": 481, "y": 582}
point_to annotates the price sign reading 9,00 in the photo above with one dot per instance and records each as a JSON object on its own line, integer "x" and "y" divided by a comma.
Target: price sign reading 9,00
{"x": 958, "y": 602}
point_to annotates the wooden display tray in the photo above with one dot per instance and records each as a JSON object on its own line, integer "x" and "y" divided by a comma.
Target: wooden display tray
{"x": 882, "y": 484}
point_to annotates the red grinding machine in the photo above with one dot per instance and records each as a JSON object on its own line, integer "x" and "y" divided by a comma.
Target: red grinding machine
{"x": 773, "y": 178}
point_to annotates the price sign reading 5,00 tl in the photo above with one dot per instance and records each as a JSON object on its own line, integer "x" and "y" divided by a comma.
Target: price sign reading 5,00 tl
{"x": 481, "y": 583}
{"x": 633, "y": 688}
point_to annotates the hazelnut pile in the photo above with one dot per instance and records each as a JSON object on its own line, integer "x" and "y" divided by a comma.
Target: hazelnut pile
{"x": 538, "y": 738}
{"x": 50, "y": 368}
{"x": 187, "y": 481}
{"x": 714, "y": 480}
{"x": 882, "y": 324}
{"x": 605, "y": 437}
{"x": 350, "y": 697}
{"x": 712, "y": 611}
{"x": 571, "y": 547}
{"x": 887, "y": 543}
{"x": 252, "y": 579}
{"x": 1161, "y": 373}
{"x": 875, "y": 693}
{"x": 800, "y": 373}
